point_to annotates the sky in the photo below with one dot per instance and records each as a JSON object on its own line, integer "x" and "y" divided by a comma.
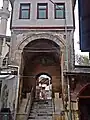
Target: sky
{"x": 76, "y": 33}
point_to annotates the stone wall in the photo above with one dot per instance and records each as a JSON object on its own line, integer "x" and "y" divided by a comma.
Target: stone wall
{"x": 21, "y": 38}
{"x": 8, "y": 92}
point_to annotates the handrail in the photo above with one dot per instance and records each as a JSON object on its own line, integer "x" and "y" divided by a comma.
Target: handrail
{"x": 29, "y": 103}
{"x": 29, "y": 98}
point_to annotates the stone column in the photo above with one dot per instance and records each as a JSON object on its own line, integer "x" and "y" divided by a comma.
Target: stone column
{"x": 71, "y": 54}
{"x": 12, "y": 48}
{"x": 75, "y": 109}
{"x": 58, "y": 108}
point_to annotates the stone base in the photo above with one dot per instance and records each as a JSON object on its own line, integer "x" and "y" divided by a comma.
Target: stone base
{"x": 58, "y": 117}
{"x": 21, "y": 117}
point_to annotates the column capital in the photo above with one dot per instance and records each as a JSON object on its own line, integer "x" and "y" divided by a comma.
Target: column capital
{"x": 62, "y": 50}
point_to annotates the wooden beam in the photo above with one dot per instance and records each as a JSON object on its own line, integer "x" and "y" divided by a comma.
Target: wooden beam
{"x": 29, "y": 51}
{"x": 84, "y": 97}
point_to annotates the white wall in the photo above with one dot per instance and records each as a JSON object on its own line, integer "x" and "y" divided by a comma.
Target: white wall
{"x": 34, "y": 22}
{"x": 10, "y": 82}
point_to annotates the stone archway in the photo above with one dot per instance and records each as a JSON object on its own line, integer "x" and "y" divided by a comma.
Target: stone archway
{"x": 43, "y": 86}
{"x": 31, "y": 37}
{"x": 24, "y": 39}
{"x": 37, "y": 62}
{"x": 30, "y": 70}
{"x": 42, "y": 58}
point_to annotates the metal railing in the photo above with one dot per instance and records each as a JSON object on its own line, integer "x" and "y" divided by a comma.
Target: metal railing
{"x": 25, "y": 114}
{"x": 29, "y": 102}
{"x": 30, "y": 99}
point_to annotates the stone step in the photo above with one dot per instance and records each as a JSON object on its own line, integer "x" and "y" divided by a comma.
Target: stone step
{"x": 42, "y": 107}
{"x": 41, "y": 110}
{"x": 45, "y": 108}
{"x": 41, "y": 100}
{"x": 40, "y": 118}
{"x": 42, "y": 114}
{"x": 43, "y": 104}
{"x": 46, "y": 103}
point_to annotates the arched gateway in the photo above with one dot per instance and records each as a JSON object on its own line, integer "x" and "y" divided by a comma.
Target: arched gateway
{"x": 40, "y": 54}
{"x": 38, "y": 47}
{"x": 58, "y": 39}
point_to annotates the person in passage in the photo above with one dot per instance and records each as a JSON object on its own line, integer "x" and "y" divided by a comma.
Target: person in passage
{"x": 43, "y": 93}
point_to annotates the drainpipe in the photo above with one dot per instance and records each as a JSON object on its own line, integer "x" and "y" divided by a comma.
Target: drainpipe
{"x": 67, "y": 69}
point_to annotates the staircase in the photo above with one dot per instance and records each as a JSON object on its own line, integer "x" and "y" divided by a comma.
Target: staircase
{"x": 41, "y": 110}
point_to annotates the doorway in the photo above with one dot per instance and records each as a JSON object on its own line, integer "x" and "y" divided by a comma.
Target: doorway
{"x": 43, "y": 86}
{"x": 84, "y": 108}
{"x": 84, "y": 103}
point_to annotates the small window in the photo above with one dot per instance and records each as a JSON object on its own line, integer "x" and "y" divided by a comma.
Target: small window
{"x": 42, "y": 11}
{"x": 24, "y": 11}
{"x": 59, "y": 11}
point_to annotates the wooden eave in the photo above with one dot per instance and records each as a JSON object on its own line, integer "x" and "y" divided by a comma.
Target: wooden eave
{"x": 75, "y": 73}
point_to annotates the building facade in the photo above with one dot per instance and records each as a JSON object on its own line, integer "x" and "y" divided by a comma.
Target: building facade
{"x": 41, "y": 43}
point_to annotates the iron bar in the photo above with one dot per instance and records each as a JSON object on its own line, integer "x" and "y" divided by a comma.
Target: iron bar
{"x": 39, "y": 51}
{"x": 32, "y": 49}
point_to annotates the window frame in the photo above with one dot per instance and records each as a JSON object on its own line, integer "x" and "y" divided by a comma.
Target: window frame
{"x": 20, "y": 12}
{"x": 55, "y": 9}
{"x": 46, "y": 10}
